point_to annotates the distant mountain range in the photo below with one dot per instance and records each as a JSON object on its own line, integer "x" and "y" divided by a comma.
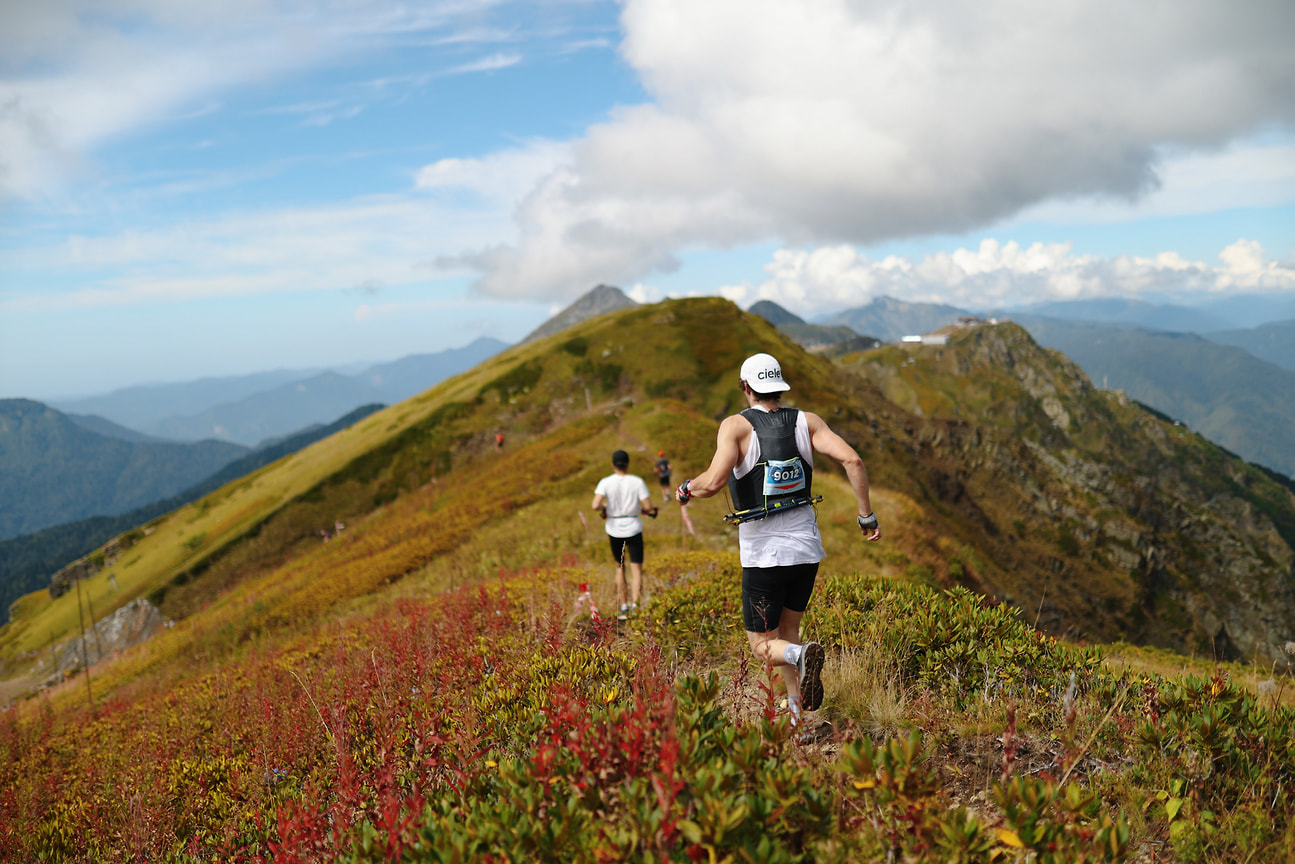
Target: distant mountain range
{"x": 53, "y": 470}
{"x": 27, "y": 562}
{"x": 1274, "y": 342}
{"x": 819, "y": 338}
{"x": 253, "y": 410}
{"x": 1120, "y": 310}
{"x": 1236, "y": 312}
{"x": 890, "y": 320}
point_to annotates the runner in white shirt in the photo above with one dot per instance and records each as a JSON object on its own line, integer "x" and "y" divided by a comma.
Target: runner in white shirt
{"x": 765, "y": 456}
{"x": 621, "y": 498}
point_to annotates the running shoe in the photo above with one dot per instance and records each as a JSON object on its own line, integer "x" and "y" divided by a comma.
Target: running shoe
{"x": 810, "y": 669}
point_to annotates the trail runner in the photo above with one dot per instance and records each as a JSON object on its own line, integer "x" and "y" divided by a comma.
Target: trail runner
{"x": 765, "y": 456}
{"x": 621, "y": 498}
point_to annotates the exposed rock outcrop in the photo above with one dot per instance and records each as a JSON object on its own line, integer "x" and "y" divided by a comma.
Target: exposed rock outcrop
{"x": 131, "y": 625}
{"x": 91, "y": 565}
{"x": 1123, "y": 524}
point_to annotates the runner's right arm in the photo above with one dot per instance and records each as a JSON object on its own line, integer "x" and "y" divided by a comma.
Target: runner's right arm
{"x": 728, "y": 450}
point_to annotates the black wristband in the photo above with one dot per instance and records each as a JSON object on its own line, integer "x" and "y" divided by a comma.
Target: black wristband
{"x": 868, "y": 522}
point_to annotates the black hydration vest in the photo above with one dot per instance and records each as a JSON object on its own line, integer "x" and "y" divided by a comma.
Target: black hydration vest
{"x": 780, "y": 475}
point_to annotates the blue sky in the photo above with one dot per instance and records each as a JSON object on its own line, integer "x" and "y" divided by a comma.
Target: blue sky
{"x": 190, "y": 192}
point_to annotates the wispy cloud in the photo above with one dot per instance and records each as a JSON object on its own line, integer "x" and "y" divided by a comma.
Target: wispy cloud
{"x": 313, "y": 107}
{"x": 324, "y": 118}
{"x": 370, "y": 242}
{"x": 479, "y": 36}
{"x": 486, "y": 64}
{"x": 77, "y": 77}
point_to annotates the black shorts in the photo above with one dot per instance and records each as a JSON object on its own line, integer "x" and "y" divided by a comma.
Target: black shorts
{"x": 665, "y": 480}
{"x": 766, "y": 591}
{"x": 634, "y": 544}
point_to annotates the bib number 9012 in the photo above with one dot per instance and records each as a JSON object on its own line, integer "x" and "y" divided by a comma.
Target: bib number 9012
{"x": 782, "y": 477}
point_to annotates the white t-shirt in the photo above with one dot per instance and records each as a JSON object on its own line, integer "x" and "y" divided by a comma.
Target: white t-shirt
{"x": 625, "y": 494}
{"x": 783, "y": 538}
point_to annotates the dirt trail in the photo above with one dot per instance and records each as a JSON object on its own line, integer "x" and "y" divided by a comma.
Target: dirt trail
{"x": 15, "y": 688}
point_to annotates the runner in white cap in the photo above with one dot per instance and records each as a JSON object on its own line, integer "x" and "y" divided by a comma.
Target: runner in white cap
{"x": 765, "y": 456}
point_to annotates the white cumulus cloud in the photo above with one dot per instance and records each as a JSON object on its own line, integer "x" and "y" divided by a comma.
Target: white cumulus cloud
{"x": 1002, "y": 275}
{"x": 827, "y": 121}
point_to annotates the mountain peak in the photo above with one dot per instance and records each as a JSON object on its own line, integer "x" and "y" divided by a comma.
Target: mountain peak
{"x": 598, "y": 301}
{"x": 774, "y": 314}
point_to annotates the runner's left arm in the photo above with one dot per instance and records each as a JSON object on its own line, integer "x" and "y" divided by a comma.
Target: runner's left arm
{"x": 827, "y": 442}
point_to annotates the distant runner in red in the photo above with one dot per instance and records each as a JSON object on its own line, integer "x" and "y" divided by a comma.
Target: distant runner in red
{"x": 662, "y": 471}
{"x": 499, "y": 442}
{"x": 765, "y": 456}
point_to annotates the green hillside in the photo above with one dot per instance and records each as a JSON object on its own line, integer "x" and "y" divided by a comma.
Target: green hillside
{"x": 53, "y": 470}
{"x": 426, "y": 685}
{"x": 28, "y": 562}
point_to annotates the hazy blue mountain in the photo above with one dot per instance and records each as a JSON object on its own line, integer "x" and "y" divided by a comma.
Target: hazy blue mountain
{"x": 257, "y": 409}
{"x": 1251, "y": 310}
{"x": 1122, "y": 310}
{"x": 890, "y": 320}
{"x": 27, "y": 562}
{"x": 1274, "y": 342}
{"x": 1224, "y": 393}
{"x": 272, "y": 413}
{"x": 54, "y": 471}
{"x": 820, "y": 338}
{"x": 109, "y": 429}
{"x": 142, "y": 406}
{"x": 409, "y": 376}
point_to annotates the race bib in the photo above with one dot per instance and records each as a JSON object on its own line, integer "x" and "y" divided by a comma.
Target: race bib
{"x": 782, "y": 477}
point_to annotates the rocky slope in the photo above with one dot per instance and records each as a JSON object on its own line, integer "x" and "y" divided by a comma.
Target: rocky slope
{"x": 1111, "y": 521}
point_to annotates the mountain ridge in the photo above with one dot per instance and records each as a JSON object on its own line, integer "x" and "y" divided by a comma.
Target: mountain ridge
{"x": 658, "y": 377}
{"x": 253, "y": 410}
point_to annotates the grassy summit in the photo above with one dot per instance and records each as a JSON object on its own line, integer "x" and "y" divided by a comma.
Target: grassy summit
{"x": 423, "y": 686}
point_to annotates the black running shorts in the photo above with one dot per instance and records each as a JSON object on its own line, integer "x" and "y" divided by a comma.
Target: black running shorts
{"x": 766, "y": 591}
{"x": 635, "y": 548}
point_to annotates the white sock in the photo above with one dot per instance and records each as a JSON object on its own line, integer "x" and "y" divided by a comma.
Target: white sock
{"x": 792, "y": 654}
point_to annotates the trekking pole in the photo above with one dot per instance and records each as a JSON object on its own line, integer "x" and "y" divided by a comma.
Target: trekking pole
{"x": 625, "y": 580}
{"x": 93, "y": 628}
{"x": 85, "y": 656}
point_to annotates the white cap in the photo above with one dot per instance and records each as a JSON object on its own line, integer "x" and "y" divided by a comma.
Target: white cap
{"x": 763, "y": 374}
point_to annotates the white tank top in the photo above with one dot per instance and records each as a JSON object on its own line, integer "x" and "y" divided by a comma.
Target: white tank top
{"x": 783, "y": 538}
